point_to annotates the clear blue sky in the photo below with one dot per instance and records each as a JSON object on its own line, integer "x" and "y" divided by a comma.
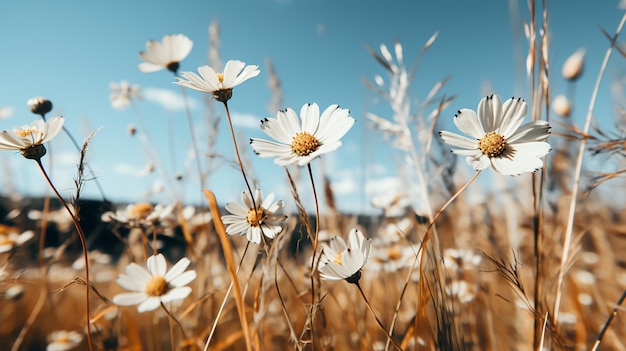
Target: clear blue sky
{"x": 69, "y": 52}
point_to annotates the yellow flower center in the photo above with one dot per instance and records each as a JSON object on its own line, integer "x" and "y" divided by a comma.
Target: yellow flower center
{"x": 5, "y": 240}
{"x": 304, "y": 144}
{"x": 220, "y": 77}
{"x": 63, "y": 339}
{"x": 33, "y": 133}
{"x": 492, "y": 144}
{"x": 394, "y": 253}
{"x": 157, "y": 286}
{"x": 140, "y": 210}
{"x": 338, "y": 259}
{"x": 255, "y": 217}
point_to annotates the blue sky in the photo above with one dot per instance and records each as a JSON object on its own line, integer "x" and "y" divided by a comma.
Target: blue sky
{"x": 69, "y": 52}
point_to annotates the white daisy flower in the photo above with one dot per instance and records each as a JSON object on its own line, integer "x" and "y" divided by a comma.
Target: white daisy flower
{"x": 498, "y": 138}
{"x": 166, "y": 53}
{"x": 154, "y": 285}
{"x": 302, "y": 142}
{"x": 344, "y": 261}
{"x": 29, "y": 139}
{"x": 63, "y": 340}
{"x": 264, "y": 220}
{"x": 219, "y": 84}
{"x": 122, "y": 94}
{"x": 10, "y": 239}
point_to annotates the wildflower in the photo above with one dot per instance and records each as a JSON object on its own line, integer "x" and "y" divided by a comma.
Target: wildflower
{"x": 301, "y": 143}
{"x": 457, "y": 260}
{"x": 166, "y": 53}
{"x": 139, "y": 214}
{"x": 251, "y": 221}
{"x": 391, "y": 258}
{"x": 29, "y": 139}
{"x": 122, "y": 94}
{"x": 499, "y": 140}
{"x": 461, "y": 290}
{"x": 39, "y": 105}
{"x": 573, "y": 66}
{"x": 219, "y": 84}
{"x": 154, "y": 285}
{"x": 344, "y": 261}
{"x": 10, "y": 238}
{"x": 62, "y": 340}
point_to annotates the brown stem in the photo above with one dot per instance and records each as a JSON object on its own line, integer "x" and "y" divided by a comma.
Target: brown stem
{"x": 81, "y": 236}
{"x": 380, "y": 324}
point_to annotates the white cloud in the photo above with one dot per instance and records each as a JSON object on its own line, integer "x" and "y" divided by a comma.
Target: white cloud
{"x": 126, "y": 169}
{"x": 246, "y": 120}
{"x": 344, "y": 186}
{"x": 383, "y": 185}
{"x": 168, "y": 99}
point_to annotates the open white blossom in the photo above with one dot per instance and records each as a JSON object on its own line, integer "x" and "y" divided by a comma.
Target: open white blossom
{"x": 302, "y": 142}
{"x": 166, "y": 53}
{"x": 219, "y": 84}
{"x": 123, "y": 93}
{"x": 344, "y": 261}
{"x": 29, "y": 139}
{"x": 255, "y": 222}
{"x": 10, "y": 239}
{"x": 63, "y": 340}
{"x": 498, "y": 138}
{"x": 154, "y": 285}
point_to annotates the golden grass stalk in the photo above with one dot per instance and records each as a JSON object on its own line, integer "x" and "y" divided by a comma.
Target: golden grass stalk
{"x": 577, "y": 174}
{"x": 230, "y": 265}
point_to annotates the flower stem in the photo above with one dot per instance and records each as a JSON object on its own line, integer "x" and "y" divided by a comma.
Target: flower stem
{"x": 171, "y": 316}
{"x": 243, "y": 172}
{"x": 380, "y": 324}
{"x": 313, "y": 261}
{"x": 81, "y": 236}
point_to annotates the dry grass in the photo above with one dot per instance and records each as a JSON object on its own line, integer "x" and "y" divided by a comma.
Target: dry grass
{"x": 528, "y": 263}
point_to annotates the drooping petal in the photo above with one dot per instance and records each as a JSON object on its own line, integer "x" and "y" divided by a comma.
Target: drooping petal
{"x": 151, "y": 303}
{"x": 129, "y": 299}
{"x": 176, "y": 294}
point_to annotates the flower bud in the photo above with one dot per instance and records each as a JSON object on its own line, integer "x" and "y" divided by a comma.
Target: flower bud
{"x": 561, "y": 106}
{"x": 39, "y": 105}
{"x": 573, "y": 66}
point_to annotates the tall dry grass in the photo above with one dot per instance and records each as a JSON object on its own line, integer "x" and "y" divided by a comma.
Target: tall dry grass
{"x": 527, "y": 263}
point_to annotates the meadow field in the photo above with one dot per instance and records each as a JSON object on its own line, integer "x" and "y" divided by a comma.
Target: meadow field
{"x": 517, "y": 243}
